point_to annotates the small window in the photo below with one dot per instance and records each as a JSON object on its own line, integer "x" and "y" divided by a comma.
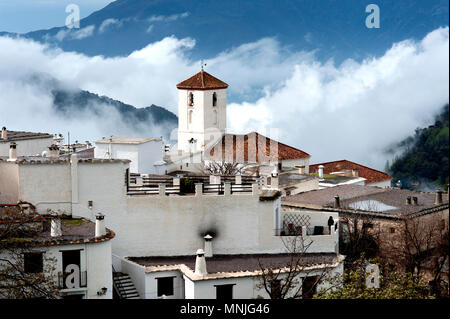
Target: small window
{"x": 392, "y": 230}
{"x": 190, "y": 116}
{"x": 214, "y": 97}
{"x": 33, "y": 262}
{"x": 275, "y": 288}
{"x": 309, "y": 287}
{"x": 280, "y": 166}
{"x": 165, "y": 286}
{"x": 224, "y": 292}
{"x": 191, "y": 99}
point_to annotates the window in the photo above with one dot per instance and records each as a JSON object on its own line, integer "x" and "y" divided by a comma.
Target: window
{"x": 214, "y": 97}
{"x": 191, "y": 99}
{"x": 392, "y": 230}
{"x": 309, "y": 287}
{"x": 224, "y": 292}
{"x": 215, "y": 117}
{"x": 33, "y": 262}
{"x": 165, "y": 286}
{"x": 280, "y": 166}
{"x": 275, "y": 288}
{"x": 190, "y": 117}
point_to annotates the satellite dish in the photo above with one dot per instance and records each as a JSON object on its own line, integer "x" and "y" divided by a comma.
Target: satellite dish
{"x": 44, "y": 154}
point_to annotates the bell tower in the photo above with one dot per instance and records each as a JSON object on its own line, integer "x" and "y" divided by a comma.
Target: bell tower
{"x": 202, "y": 115}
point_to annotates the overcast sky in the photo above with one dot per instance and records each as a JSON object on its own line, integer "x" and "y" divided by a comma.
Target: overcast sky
{"x": 30, "y": 15}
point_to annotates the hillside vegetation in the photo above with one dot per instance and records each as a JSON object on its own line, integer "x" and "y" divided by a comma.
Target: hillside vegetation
{"x": 425, "y": 159}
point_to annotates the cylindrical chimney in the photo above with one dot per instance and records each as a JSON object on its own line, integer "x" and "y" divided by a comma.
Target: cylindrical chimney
{"x": 12, "y": 151}
{"x": 415, "y": 201}
{"x": 100, "y": 229}
{"x": 408, "y": 200}
{"x": 55, "y": 228}
{"x": 320, "y": 171}
{"x": 337, "y": 202}
{"x": 200, "y": 263}
{"x": 438, "y": 200}
{"x": 4, "y": 133}
{"x": 53, "y": 150}
{"x": 208, "y": 245}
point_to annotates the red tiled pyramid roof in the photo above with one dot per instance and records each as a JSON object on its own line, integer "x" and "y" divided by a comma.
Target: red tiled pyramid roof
{"x": 252, "y": 147}
{"x": 202, "y": 81}
{"x": 371, "y": 175}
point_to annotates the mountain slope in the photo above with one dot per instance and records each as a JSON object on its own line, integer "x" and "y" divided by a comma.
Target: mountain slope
{"x": 336, "y": 28}
{"x": 138, "y": 120}
{"x": 425, "y": 159}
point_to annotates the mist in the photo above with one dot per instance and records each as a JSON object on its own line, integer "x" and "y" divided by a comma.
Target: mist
{"x": 352, "y": 111}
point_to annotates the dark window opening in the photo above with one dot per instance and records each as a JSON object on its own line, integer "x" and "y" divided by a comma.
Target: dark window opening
{"x": 191, "y": 99}
{"x": 33, "y": 262}
{"x": 165, "y": 286}
{"x": 275, "y": 288}
{"x": 392, "y": 230}
{"x": 309, "y": 287}
{"x": 280, "y": 166}
{"x": 214, "y": 99}
{"x": 224, "y": 292}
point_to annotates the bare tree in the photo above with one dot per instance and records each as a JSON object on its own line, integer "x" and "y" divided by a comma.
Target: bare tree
{"x": 17, "y": 229}
{"x": 359, "y": 234}
{"x": 285, "y": 281}
{"x": 223, "y": 168}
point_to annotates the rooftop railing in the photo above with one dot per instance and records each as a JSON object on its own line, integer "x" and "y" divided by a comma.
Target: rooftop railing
{"x": 189, "y": 185}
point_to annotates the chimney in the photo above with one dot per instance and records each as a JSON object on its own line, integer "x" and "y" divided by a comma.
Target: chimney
{"x": 408, "y": 200}
{"x": 320, "y": 171}
{"x": 200, "y": 263}
{"x": 415, "y": 201}
{"x": 4, "y": 133}
{"x": 53, "y": 150}
{"x": 355, "y": 172}
{"x": 438, "y": 200}
{"x": 100, "y": 229}
{"x": 12, "y": 151}
{"x": 55, "y": 228}
{"x": 337, "y": 203}
{"x": 208, "y": 245}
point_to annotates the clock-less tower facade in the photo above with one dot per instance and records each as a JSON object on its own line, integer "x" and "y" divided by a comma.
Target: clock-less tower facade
{"x": 202, "y": 116}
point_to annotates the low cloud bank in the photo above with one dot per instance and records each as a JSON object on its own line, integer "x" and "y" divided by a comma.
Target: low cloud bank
{"x": 352, "y": 111}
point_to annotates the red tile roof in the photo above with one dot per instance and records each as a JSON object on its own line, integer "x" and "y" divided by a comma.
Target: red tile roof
{"x": 202, "y": 81}
{"x": 371, "y": 175}
{"x": 252, "y": 148}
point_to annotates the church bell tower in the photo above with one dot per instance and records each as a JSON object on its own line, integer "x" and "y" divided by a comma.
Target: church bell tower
{"x": 202, "y": 115}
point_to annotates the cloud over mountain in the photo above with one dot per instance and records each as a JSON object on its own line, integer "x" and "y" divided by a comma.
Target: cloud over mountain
{"x": 352, "y": 110}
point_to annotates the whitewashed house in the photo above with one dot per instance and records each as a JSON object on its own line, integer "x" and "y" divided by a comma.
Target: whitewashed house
{"x": 143, "y": 152}
{"x": 28, "y": 143}
{"x": 75, "y": 253}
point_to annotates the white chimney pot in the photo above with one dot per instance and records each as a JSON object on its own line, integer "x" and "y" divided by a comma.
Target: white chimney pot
{"x": 208, "y": 246}
{"x": 200, "y": 263}
{"x": 100, "y": 229}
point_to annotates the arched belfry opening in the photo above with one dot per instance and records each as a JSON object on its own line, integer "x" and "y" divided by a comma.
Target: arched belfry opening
{"x": 191, "y": 99}
{"x": 214, "y": 99}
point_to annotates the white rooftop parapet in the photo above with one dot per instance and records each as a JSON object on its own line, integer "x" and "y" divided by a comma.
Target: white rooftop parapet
{"x": 227, "y": 189}
{"x": 162, "y": 190}
{"x": 198, "y": 189}
{"x": 255, "y": 189}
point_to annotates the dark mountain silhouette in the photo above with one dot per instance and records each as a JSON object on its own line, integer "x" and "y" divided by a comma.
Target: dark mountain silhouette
{"x": 336, "y": 29}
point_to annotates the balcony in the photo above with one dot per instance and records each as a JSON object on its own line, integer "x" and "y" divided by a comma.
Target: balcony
{"x": 71, "y": 280}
